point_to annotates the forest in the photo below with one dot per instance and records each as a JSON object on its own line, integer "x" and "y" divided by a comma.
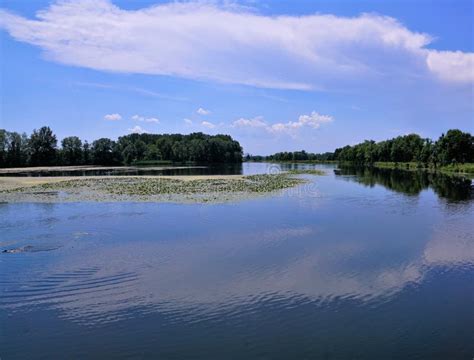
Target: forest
{"x": 41, "y": 149}
{"x": 293, "y": 156}
{"x": 454, "y": 147}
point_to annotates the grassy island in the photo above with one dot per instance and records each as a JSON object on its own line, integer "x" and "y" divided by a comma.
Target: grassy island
{"x": 146, "y": 188}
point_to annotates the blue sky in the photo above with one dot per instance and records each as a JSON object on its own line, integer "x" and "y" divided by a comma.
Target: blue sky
{"x": 276, "y": 75}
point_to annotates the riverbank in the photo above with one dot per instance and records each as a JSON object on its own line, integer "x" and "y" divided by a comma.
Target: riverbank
{"x": 458, "y": 169}
{"x": 212, "y": 188}
{"x": 466, "y": 169}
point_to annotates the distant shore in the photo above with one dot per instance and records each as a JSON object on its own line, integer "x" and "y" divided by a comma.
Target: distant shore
{"x": 453, "y": 169}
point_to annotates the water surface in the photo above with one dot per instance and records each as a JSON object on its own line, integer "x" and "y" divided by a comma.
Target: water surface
{"x": 358, "y": 264}
{"x": 212, "y": 169}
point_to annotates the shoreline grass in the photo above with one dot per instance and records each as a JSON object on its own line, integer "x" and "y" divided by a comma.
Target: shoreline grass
{"x": 457, "y": 169}
{"x": 306, "y": 172}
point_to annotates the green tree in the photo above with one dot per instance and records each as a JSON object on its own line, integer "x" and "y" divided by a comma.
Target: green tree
{"x": 17, "y": 147}
{"x": 426, "y": 153}
{"x": 406, "y": 148}
{"x": 3, "y": 148}
{"x": 129, "y": 154}
{"x": 86, "y": 153}
{"x": 43, "y": 147}
{"x": 455, "y": 147}
{"x": 152, "y": 152}
{"x": 72, "y": 150}
{"x": 105, "y": 152}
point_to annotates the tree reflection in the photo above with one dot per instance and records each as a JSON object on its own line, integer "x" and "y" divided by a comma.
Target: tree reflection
{"x": 452, "y": 188}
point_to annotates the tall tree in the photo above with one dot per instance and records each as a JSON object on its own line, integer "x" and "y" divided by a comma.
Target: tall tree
{"x": 104, "y": 152}
{"x": 72, "y": 150}
{"x": 86, "y": 153}
{"x": 3, "y": 148}
{"x": 17, "y": 147}
{"x": 426, "y": 156}
{"x": 43, "y": 147}
{"x": 455, "y": 147}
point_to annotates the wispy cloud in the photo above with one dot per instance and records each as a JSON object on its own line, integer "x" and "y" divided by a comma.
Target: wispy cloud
{"x": 206, "y": 41}
{"x": 208, "y": 124}
{"x": 313, "y": 121}
{"x": 188, "y": 121}
{"x": 202, "y": 111}
{"x": 137, "y": 90}
{"x": 145, "y": 119}
{"x": 256, "y": 122}
{"x": 155, "y": 94}
{"x": 113, "y": 117}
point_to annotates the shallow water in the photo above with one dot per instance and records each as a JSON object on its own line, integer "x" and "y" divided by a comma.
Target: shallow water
{"x": 357, "y": 264}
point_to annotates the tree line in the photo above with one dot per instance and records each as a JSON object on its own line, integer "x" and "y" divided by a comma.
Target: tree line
{"x": 41, "y": 149}
{"x": 454, "y": 147}
{"x": 292, "y": 156}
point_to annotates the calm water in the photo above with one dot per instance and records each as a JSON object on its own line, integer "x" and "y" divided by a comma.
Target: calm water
{"x": 216, "y": 169}
{"x": 355, "y": 265}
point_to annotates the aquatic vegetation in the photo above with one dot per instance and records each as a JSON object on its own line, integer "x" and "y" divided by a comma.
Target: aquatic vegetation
{"x": 159, "y": 188}
{"x": 306, "y": 171}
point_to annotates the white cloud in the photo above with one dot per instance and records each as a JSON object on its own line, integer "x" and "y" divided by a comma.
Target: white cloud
{"x": 137, "y": 130}
{"x": 145, "y": 119}
{"x": 256, "y": 122}
{"x": 202, "y": 111}
{"x": 208, "y": 124}
{"x": 113, "y": 117}
{"x": 188, "y": 121}
{"x": 313, "y": 120}
{"x": 452, "y": 65}
{"x": 204, "y": 40}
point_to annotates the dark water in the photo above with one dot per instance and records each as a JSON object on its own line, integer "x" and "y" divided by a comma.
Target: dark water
{"x": 215, "y": 169}
{"x": 357, "y": 264}
{"x": 452, "y": 188}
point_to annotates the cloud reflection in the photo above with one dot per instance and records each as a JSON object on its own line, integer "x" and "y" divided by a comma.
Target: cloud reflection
{"x": 192, "y": 278}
